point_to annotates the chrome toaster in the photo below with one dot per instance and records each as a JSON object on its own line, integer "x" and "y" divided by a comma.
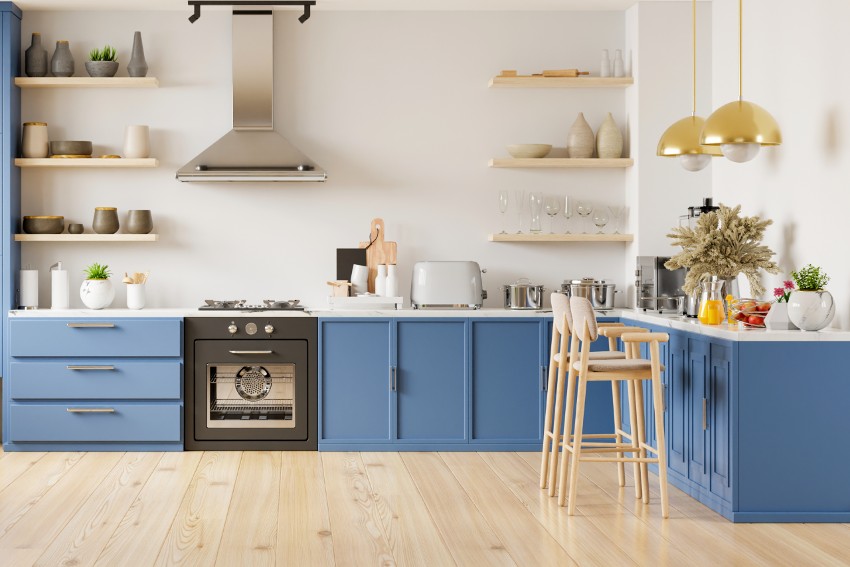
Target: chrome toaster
{"x": 447, "y": 285}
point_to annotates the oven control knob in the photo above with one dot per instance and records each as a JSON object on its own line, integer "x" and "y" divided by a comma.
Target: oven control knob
{"x": 251, "y": 328}
{"x": 232, "y": 328}
{"x": 269, "y": 329}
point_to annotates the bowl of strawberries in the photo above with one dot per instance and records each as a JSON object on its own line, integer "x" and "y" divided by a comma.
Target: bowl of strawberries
{"x": 750, "y": 312}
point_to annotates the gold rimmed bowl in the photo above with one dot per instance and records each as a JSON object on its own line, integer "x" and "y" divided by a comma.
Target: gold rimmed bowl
{"x": 43, "y": 224}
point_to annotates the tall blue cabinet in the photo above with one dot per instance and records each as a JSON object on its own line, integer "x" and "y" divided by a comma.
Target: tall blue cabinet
{"x": 10, "y": 177}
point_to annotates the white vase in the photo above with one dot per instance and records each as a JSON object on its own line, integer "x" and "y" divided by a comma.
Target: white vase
{"x": 381, "y": 280}
{"x": 619, "y": 64}
{"x": 580, "y": 139}
{"x": 137, "y": 142}
{"x": 392, "y": 281}
{"x": 97, "y": 294}
{"x": 609, "y": 140}
{"x": 605, "y": 65}
{"x": 777, "y": 318}
{"x": 811, "y": 310}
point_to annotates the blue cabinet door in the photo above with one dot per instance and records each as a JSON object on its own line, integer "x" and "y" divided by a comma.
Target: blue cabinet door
{"x": 720, "y": 430}
{"x": 677, "y": 404}
{"x": 507, "y": 380}
{"x": 697, "y": 378}
{"x": 355, "y": 378}
{"x": 430, "y": 382}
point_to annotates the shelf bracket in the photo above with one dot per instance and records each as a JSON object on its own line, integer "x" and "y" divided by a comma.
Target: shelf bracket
{"x": 196, "y": 5}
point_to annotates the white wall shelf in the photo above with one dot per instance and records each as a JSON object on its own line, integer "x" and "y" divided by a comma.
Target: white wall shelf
{"x": 546, "y": 237}
{"x": 555, "y": 163}
{"x": 87, "y": 163}
{"x": 86, "y": 82}
{"x": 86, "y": 237}
{"x": 560, "y": 82}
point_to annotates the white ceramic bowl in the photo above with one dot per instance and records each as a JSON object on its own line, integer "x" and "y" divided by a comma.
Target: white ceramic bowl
{"x": 529, "y": 150}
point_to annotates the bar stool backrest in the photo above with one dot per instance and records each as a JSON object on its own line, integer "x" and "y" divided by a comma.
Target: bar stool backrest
{"x": 561, "y": 313}
{"x": 582, "y": 311}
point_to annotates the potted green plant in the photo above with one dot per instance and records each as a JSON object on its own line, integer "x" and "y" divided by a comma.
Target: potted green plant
{"x": 810, "y": 306}
{"x": 97, "y": 291}
{"x": 102, "y": 62}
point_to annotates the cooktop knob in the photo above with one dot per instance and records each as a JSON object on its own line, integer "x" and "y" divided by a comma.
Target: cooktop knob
{"x": 251, "y": 328}
{"x": 232, "y": 328}
{"x": 269, "y": 329}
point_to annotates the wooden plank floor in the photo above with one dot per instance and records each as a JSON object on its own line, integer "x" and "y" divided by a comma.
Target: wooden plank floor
{"x": 306, "y": 509}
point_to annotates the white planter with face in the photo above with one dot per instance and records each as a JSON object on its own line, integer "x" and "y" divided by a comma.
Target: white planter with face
{"x": 811, "y": 310}
{"x": 97, "y": 294}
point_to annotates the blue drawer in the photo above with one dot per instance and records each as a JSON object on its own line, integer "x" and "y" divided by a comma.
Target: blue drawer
{"x": 95, "y": 337}
{"x": 105, "y": 379}
{"x": 128, "y": 422}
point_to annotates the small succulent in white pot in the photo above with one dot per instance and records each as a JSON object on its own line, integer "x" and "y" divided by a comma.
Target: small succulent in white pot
{"x": 97, "y": 291}
{"x": 810, "y": 306}
{"x": 102, "y": 62}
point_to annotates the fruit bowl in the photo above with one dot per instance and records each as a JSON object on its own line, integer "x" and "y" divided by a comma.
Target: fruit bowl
{"x": 750, "y": 312}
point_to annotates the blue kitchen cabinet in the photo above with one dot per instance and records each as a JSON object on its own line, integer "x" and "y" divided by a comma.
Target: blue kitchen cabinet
{"x": 676, "y": 417}
{"x": 355, "y": 377}
{"x": 698, "y": 443}
{"x": 719, "y": 417}
{"x": 94, "y": 384}
{"x": 431, "y": 380}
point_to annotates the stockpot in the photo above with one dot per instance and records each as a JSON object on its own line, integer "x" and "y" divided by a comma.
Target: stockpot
{"x": 523, "y": 295}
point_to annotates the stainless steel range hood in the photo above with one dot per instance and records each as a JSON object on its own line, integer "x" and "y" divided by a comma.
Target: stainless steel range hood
{"x": 252, "y": 150}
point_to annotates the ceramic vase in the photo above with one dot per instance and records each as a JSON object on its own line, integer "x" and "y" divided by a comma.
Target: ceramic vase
{"x": 777, "y": 318}
{"x": 105, "y": 220}
{"x": 97, "y": 294}
{"x": 619, "y": 65}
{"x": 811, "y": 310}
{"x": 34, "y": 141}
{"x": 135, "y": 296}
{"x": 139, "y": 222}
{"x": 137, "y": 142}
{"x": 609, "y": 140}
{"x": 392, "y": 281}
{"x": 35, "y": 58}
{"x": 137, "y": 67}
{"x": 605, "y": 65}
{"x": 580, "y": 139}
{"x": 62, "y": 63}
{"x": 381, "y": 280}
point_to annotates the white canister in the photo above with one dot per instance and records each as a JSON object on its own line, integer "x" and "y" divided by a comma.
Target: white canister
{"x": 135, "y": 296}
{"x": 392, "y": 281}
{"x": 137, "y": 142}
{"x": 29, "y": 289}
{"x": 381, "y": 281}
{"x": 359, "y": 279}
{"x": 59, "y": 287}
{"x": 34, "y": 142}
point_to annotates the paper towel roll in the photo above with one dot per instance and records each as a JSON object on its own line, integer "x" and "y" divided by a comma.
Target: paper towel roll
{"x": 29, "y": 289}
{"x": 59, "y": 287}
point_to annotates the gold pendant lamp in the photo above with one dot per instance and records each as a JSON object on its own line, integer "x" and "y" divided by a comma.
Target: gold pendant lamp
{"x": 740, "y": 128}
{"x": 681, "y": 139}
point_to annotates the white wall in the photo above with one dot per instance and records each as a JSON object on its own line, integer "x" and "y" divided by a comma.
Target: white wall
{"x": 394, "y": 105}
{"x": 793, "y": 67}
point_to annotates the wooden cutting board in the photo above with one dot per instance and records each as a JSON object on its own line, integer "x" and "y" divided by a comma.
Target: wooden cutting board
{"x": 380, "y": 252}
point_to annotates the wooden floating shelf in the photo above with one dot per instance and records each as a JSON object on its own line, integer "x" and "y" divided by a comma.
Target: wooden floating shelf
{"x": 86, "y": 82}
{"x": 553, "y": 163}
{"x": 561, "y": 237}
{"x": 561, "y": 82}
{"x": 87, "y": 162}
{"x": 86, "y": 237}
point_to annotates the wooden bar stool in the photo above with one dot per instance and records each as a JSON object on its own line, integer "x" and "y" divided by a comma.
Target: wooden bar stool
{"x": 558, "y": 366}
{"x": 584, "y": 369}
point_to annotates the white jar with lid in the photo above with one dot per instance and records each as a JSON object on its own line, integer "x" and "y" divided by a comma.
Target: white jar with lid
{"x": 35, "y": 141}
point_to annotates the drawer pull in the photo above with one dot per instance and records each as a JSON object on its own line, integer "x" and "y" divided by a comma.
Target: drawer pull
{"x": 91, "y": 367}
{"x": 91, "y": 325}
{"x": 250, "y": 352}
{"x": 90, "y": 410}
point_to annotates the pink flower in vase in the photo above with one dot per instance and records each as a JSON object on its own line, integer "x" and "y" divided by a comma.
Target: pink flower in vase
{"x": 788, "y": 285}
{"x": 778, "y": 292}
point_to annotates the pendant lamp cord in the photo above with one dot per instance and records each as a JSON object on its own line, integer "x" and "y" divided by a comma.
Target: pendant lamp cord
{"x": 694, "y": 70}
{"x": 740, "y": 50}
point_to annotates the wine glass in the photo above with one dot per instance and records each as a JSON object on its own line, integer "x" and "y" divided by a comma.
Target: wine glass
{"x": 616, "y": 213}
{"x": 536, "y": 205}
{"x": 568, "y": 213}
{"x": 552, "y": 208}
{"x": 600, "y": 218}
{"x": 584, "y": 209}
{"x": 503, "y": 207}
{"x": 519, "y": 204}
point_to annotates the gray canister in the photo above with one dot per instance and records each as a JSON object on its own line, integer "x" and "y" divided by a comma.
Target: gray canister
{"x": 62, "y": 63}
{"x": 105, "y": 220}
{"x": 139, "y": 222}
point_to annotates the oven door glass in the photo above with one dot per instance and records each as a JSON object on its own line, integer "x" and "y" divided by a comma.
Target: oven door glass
{"x": 253, "y": 394}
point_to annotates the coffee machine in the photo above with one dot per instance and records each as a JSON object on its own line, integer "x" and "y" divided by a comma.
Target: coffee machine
{"x": 657, "y": 288}
{"x": 692, "y": 299}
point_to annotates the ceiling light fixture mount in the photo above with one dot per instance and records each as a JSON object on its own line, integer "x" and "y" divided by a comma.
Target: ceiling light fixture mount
{"x": 681, "y": 139}
{"x": 740, "y": 128}
{"x": 196, "y": 5}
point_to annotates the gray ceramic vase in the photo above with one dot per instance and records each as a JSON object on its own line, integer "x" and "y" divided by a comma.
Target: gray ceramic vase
{"x": 35, "y": 58}
{"x": 105, "y": 220}
{"x": 101, "y": 68}
{"x": 62, "y": 63}
{"x": 75, "y": 228}
{"x": 139, "y": 222}
{"x": 137, "y": 67}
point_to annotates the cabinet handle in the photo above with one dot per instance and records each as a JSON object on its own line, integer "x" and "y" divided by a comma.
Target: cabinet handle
{"x": 90, "y": 410}
{"x": 544, "y": 371}
{"x": 250, "y": 352}
{"x": 90, "y": 325}
{"x": 393, "y": 378}
{"x": 664, "y": 401}
{"x": 92, "y": 367}
{"x": 704, "y": 414}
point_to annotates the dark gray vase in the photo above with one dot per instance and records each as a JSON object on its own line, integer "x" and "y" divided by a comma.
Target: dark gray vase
{"x": 137, "y": 67}
{"x": 62, "y": 63}
{"x": 35, "y": 58}
{"x": 139, "y": 222}
{"x": 105, "y": 220}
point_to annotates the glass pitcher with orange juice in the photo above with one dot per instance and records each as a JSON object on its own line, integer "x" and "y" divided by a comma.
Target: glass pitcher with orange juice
{"x": 712, "y": 310}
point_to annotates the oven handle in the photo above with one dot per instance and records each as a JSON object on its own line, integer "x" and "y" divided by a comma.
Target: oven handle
{"x": 250, "y": 352}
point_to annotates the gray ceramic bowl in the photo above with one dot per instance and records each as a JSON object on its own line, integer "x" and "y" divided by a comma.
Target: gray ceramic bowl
{"x": 43, "y": 225}
{"x": 101, "y": 68}
{"x": 70, "y": 148}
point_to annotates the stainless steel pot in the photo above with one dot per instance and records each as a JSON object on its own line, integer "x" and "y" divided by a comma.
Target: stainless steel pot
{"x": 523, "y": 295}
{"x": 599, "y": 292}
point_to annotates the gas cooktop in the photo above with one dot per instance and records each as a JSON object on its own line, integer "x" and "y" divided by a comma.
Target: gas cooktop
{"x": 242, "y": 305}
